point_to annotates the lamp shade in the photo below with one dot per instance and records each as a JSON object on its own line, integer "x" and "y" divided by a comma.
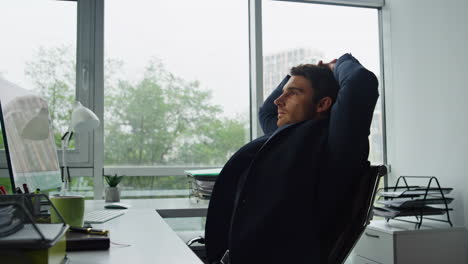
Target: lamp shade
{"x": 83, "y": 119}
{"x": 38, "y": 127}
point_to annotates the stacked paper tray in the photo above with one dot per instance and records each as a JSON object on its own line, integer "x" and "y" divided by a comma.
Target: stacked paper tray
{"x": 202, "y": 181}
{"x": 390, "y": 212}
{"x": 413, "y": 191}
{"x": 412, "y": 201}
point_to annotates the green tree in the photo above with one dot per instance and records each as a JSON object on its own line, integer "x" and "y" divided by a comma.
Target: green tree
{"x": 158, "y": 120}
{"x": 215, "y": 141}
{"x": 154, "y": 115}
{"x": 53, "y": 74}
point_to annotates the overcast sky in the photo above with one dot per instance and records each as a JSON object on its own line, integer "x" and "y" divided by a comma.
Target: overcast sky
{"x": 205, "y": 40}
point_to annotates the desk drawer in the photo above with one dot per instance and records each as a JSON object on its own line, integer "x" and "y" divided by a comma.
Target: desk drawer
{"x": 376, "y": 246}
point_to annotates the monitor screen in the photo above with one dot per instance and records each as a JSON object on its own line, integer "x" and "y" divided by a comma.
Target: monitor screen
{"x": 4, "y": 172}
{"x": 28, "y": 139}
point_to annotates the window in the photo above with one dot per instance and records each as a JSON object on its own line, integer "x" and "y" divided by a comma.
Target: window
{"x": 176, "y": 89}
{"x": 295, "y": 33}
{"x": 175, "y": 92}
{"x": 38, "y": 52}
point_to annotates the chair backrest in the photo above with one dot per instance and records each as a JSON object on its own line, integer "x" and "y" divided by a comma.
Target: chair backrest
{"x": 361, "y": 214}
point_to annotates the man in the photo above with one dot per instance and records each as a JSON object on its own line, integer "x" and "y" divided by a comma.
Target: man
{"x": 280, "y": 197}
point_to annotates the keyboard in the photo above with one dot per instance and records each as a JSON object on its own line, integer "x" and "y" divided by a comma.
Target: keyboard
{"x": 101, "y": 216}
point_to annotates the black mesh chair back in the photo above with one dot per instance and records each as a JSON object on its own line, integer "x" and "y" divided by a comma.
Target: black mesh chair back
{"x": 359, "y": 217}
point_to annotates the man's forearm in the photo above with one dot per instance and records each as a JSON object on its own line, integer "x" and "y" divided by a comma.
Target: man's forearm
{"x": 352, "y": 112}
{"x": 268, "y": 112}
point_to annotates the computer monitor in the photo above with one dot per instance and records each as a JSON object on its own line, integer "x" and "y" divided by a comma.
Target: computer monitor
{"x": 5, "y": 180}
{"x": 30, "y": 150}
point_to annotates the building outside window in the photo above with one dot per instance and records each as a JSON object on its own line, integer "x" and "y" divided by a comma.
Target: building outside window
{"x": 298, "y": 33}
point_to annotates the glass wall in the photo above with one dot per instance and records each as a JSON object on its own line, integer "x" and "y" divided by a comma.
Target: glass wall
{"x": 296, "y": 33}
{"x": 176, "y": 87}
{"x": 177, "y": 82}
{"x": 176, "y": 92}
{"x": 38, "y": 51}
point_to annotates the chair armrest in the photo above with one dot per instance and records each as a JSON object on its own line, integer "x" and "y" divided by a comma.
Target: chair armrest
{"x": 198, "y": 239}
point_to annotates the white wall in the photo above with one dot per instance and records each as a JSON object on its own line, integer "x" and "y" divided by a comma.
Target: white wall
{"x": 426, "y": 55}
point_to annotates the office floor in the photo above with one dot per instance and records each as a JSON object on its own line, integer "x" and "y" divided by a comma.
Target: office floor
{"x": 186, "y": 223}
{"x": 350, "y": 259}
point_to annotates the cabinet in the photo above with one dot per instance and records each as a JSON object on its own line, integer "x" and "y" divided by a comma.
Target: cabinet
{"x": 400, "y": 243}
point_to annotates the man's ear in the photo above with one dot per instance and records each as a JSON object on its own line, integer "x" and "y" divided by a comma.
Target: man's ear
{"x": 324, "y": 104}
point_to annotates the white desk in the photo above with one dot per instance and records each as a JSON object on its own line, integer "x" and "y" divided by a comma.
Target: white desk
{"x": 167, "y": 208}
{"x": 151, "y": 240}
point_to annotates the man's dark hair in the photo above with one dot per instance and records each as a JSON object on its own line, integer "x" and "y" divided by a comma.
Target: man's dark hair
{"x": 321, "y": 78}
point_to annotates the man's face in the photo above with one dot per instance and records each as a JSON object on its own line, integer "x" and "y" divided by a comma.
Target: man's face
{"x": 296, "y": 102}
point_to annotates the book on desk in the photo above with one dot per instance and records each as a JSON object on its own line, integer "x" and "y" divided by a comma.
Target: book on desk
{"x": 79, "y": 241}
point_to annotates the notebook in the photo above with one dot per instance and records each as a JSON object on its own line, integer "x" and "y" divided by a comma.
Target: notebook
{"x": 78, "y": 241}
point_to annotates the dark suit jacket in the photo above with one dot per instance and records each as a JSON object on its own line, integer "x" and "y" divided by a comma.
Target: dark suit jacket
{"x": 280, "y": 197}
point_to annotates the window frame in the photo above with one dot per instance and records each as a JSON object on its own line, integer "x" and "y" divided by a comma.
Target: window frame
{"x": 377, "y": 4}
{"x": 256, "y": 99}
{"x": 383, "y": 55}
{"x": 90, "y": 84}
{"x": 256, "y": 84}
{"x": 81, "y": 157}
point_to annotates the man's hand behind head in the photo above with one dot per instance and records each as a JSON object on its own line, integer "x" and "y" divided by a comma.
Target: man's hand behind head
{"x": 330, "y": 65}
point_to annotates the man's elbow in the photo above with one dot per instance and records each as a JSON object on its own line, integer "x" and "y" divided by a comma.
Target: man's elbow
{"x": 367, "y": 82}
{"x": 267, "y": 121}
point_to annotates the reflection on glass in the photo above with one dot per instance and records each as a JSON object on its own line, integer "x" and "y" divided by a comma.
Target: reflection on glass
{"x": 28, "y": 138}
{"x": 307, "y": 33}
{"x": 2, "y": 146}
{"x": 40, "y": 52}
{"x": 176, "y": 82}
{"x": 4, "y": 176}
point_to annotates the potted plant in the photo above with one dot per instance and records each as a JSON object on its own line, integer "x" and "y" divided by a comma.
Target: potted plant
{"x": 112, "y": 192}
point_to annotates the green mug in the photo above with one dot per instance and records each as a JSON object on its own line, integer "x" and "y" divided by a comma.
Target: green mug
{"x": 71, "y": 208}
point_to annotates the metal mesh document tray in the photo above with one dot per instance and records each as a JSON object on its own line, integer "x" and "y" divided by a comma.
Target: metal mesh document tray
{"x": 414, "y": 200}
{"x": 26, "y": 232}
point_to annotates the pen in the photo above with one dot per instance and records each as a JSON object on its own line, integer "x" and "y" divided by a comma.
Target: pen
{"x": 25, "y": 188}
{"x": 101, "y": 232}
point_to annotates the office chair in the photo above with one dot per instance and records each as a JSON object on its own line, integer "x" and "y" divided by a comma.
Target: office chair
{"x": 359, "y": 217}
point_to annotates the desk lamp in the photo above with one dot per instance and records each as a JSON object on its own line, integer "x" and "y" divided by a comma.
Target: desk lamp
{"x": 82, "y": 120}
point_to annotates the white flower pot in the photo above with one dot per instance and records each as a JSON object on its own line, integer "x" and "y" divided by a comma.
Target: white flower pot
{"x": 112, "y": 194}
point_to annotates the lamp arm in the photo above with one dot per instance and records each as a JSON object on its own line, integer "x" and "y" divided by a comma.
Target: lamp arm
{"x": 66, "y": 176}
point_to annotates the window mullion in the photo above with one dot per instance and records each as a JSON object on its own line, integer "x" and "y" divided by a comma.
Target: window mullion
{"x": 90, "y": 84}
{"x": 256, "y": 65}
{"x": 353, "y": 3}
